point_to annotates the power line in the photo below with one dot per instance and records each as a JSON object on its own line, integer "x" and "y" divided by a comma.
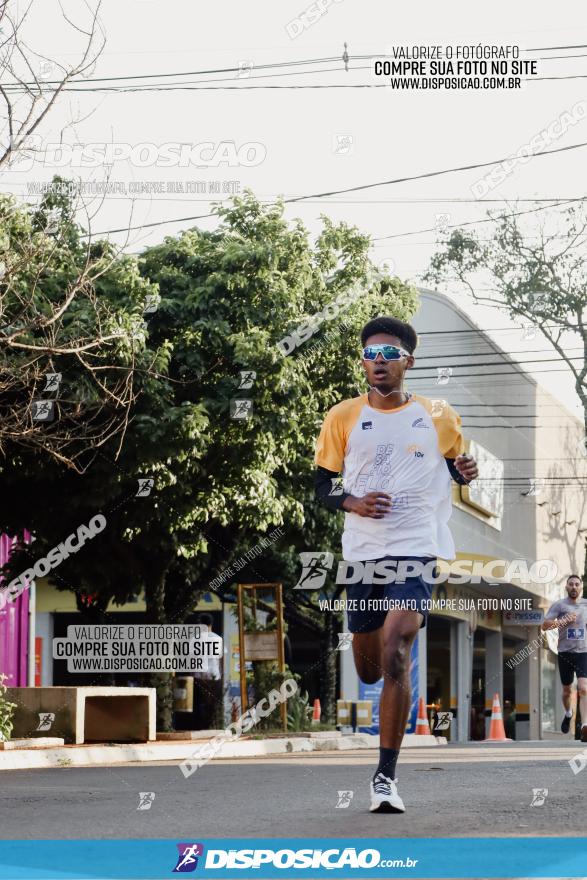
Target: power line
{"x": 487, "y": 373}
{"x": 204, "y": 88}
{"x": 362, "y": 187}
{"x": 269, "y": 66}
{"x": 478, "y": 222}
{"x": 555, "y": 48}
{"x": 500, "y": 363}
{"x": 471, "y": 330}
{"x": 273, "y": 65}
{"x": 456, "y": 355}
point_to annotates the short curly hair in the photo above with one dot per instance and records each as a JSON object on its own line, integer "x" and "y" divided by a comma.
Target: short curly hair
{"x": 404, "y": 332}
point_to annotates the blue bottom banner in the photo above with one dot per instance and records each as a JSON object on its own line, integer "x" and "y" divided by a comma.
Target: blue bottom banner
{"x": 291, "y": 857}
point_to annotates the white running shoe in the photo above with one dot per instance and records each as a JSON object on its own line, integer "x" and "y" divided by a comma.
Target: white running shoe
{"x": 384, "y": 796}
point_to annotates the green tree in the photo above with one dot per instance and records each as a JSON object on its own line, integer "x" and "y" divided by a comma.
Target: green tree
{"x": 538, "y": 274}
{"x": 227, "y": 298}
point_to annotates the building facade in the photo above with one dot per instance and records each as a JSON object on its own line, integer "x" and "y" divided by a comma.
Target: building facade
{"x": 525, "y": 514}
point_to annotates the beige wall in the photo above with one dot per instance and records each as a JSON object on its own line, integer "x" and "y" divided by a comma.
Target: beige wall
{"x": 508, "y": 404}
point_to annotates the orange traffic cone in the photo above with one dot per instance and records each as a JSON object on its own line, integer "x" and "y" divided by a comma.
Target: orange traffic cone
{"x": 316, "y": 712}
{"x": 496, "y": 728}
{"x": 422, "y": 726}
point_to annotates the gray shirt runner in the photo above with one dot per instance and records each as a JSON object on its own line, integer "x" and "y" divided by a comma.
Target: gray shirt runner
{"x": 571, "y": 637}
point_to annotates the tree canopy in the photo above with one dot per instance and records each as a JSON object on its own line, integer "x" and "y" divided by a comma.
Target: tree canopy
{"x": 222, "y": 473}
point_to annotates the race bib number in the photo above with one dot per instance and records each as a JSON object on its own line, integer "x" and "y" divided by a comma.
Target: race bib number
{"x": 576, "y": 633}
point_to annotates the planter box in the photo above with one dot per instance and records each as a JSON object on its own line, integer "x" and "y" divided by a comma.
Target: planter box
{"x": 84, "y": 714}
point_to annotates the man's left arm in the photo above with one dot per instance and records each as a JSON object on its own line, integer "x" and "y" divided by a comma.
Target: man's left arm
{"x": 462, "y": 467}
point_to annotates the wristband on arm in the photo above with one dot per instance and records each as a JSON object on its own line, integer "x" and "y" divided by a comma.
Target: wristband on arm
{"x": 324, "y": 484}
{"x": 458, "y": 478}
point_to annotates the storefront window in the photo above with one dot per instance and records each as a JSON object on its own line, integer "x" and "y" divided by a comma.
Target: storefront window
{"x": 548, "y": 691}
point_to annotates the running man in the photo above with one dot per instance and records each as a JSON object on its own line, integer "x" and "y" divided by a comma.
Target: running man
{"x": 569, "y": 616}
{"x": 396, "y": 452}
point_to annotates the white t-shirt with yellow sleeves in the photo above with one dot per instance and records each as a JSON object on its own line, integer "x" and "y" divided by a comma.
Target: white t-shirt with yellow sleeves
{"x": 400, "y": 452}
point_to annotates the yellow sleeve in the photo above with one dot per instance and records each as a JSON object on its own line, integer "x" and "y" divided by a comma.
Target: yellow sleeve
{"x": 450, "y": 439}
{"x": 447, "y": 422}
{"x": 331, "y": 443}
{"x": 336, "y": 428}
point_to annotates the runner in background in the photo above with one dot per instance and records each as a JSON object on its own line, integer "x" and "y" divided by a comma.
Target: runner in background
{"x": 569, "y": 616}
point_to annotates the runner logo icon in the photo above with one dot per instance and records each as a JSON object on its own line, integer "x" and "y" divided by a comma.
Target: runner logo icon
{"x": 187, "y": 860}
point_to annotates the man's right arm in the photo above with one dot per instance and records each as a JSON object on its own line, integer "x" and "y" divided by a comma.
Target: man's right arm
{"x": 373, "y": 504}
{"x": 331, "y": 449}
{"x": 327, "y": 491}
{"x": 553, "y": 621}
{"x": 550, "y": 618}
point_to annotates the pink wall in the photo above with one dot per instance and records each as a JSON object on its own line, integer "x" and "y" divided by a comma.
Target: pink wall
{"x": 14, "y": 629}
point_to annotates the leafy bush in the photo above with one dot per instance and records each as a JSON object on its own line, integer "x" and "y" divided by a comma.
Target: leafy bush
{"x": 299, "y": 712}
{"x": 6, "y": 712}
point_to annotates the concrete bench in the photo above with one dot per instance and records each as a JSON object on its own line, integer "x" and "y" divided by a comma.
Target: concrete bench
{"x": 85, "y": 714}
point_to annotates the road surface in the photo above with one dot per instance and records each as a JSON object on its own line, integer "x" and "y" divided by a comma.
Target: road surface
{"x": 455, "y": 790}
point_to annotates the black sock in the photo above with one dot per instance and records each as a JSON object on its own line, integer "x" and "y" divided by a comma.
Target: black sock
{"x": 387, "y": 761}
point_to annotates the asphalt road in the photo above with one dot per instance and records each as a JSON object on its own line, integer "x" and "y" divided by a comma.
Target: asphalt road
{"x": 451, "y": 791}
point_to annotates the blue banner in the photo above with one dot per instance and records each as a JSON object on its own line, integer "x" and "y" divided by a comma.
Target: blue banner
{"x": 272, "y": 858}
{"x": 414, "y": 675}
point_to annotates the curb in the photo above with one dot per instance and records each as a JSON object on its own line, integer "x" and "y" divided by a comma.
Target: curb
{"x": 93, "y": 755}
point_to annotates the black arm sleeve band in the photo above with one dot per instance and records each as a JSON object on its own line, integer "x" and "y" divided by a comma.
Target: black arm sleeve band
{"x": 450, "y": 463}
{"x": 324, "y": 484}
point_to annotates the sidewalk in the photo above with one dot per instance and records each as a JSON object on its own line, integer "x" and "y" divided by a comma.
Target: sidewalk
{"x": 178, "y": 750}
